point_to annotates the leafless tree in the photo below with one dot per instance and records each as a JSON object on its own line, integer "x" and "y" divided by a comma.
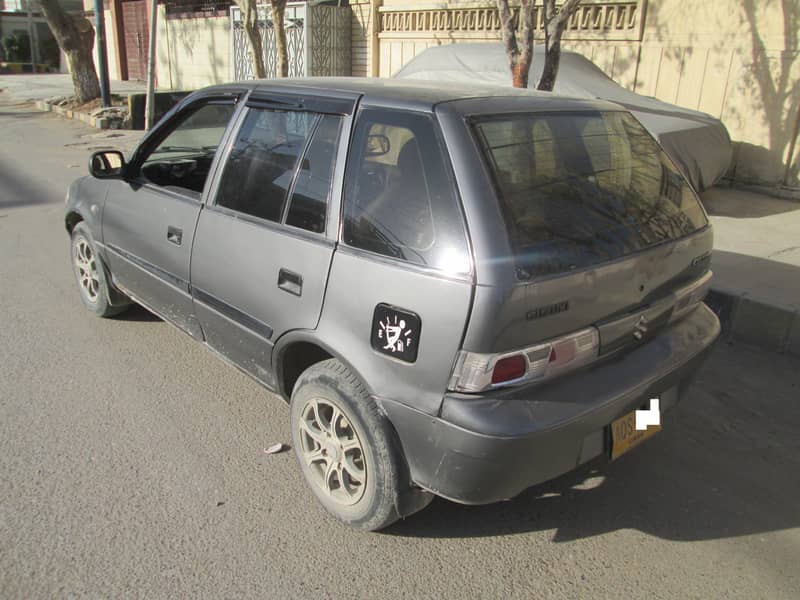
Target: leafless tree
{"x": 250, "y": 21}
{"x": 519, "y": 49}
{"x": 518, "y": 38}
{"x": 75, "y": 36}
{"x": 278, "y": 13}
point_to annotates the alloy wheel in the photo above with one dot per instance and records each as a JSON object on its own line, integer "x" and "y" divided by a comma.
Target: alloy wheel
{"x": 86, "y": 265}
{"x": 332, "y": 451}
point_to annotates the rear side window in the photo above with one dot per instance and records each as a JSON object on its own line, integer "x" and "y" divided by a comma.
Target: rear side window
{"x": 578, "y": 189}
{"x": 400, "y": 196}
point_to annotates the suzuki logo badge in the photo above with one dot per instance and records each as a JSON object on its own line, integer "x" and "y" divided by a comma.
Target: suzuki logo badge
{"x": 640, "y": 328}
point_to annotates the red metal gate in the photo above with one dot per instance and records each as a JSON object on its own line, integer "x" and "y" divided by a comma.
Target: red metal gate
{"x": 134, "y": 19}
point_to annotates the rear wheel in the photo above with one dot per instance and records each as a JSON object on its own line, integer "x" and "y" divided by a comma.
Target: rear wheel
{"x": 346, "y": 448}
{"x": 90, "y": 274}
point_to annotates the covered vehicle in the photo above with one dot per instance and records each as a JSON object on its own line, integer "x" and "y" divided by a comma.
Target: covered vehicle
{"x": 697, "y": 142}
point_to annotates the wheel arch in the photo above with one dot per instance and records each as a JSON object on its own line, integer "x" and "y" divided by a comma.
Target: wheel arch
{"x": 114, "y": 296}
{"x": 298, "y": 350}
{"x": 72, "y": 218}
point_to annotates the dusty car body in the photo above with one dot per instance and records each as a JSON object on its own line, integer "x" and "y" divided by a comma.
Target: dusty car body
{"x": 461, "y": 292}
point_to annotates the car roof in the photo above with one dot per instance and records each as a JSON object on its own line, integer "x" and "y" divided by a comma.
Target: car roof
{"x": 422, "y": 95}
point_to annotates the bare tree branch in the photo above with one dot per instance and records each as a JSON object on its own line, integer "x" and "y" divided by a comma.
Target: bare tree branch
{"x": 518, "y": 38}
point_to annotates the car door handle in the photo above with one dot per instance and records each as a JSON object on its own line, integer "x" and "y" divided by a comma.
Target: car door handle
{"x": 174, "y": 235}
{"x": 290, "y": 282}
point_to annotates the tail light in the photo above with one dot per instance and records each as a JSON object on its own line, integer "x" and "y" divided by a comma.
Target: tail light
{"x": 509, "y": 368}
{"x": 474, "y": 372}
{"x": 690, "y": 296}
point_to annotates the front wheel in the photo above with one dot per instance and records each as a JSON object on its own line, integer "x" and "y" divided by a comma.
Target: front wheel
{"x": 90, "y": 274}
{"x": 346, "y": 448}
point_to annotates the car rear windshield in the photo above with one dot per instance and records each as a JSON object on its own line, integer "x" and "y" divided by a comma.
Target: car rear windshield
{"x": 581, "y": 188}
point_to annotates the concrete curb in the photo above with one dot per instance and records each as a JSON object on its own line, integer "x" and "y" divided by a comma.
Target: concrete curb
{"x": 776, "y": 191}
{"x": 773, "y": 328}
{"x": 96, "y": 122}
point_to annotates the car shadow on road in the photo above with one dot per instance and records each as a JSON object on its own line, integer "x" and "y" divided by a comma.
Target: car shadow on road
{"x": 725, "y": 465}
{"x": 137, "y": 313}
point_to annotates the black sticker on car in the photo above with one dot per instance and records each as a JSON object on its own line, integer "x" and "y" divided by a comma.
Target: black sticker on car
{"x": 396, "y": 332}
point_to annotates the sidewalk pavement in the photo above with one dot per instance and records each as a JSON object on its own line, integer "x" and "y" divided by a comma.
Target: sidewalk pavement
{"x": 756, "y": 259}
{"x": 41, "y": 87}
{"x": 756, "y": 264}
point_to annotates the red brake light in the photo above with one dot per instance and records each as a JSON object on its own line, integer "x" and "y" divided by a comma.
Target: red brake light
{"x": 508, "y": 368}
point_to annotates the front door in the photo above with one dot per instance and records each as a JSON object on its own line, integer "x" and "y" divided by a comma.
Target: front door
{"x": 150, "y": 217}
{"x": 263, "y": 247}
{"x": 134, "y": 20}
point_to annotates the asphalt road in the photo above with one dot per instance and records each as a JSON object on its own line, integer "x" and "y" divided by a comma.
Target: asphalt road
{"x": 132, "y": 462}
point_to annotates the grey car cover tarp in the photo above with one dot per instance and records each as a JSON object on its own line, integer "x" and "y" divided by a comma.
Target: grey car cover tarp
{"x": 698, "y": 143}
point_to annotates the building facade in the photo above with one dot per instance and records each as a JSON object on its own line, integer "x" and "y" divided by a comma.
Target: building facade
{"x": 738, "y": 60}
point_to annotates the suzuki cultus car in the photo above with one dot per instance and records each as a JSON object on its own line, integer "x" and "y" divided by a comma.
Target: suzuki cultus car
{"x": 460, "y": 292}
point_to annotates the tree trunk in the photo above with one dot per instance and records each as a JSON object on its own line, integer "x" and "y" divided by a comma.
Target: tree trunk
{"x": 554, "y": 25}
{"x": 519, "y": 74}
{"x": 75, "y": 36}
{"x": 520, "y": 52}
{"x": 278, "y": 14}
{"x": 250, "y": 23}
{"x": 552, "y": 58}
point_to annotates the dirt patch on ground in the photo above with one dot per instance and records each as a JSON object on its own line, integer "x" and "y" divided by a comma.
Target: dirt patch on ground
{"x": 92, "y": 105}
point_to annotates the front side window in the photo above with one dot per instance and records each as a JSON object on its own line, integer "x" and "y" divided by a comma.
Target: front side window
{"x": 182, "y": 160}
{"x": 308, "y": 205}
{"x": 577, "y": 189}
{"x": 400, "y": 196}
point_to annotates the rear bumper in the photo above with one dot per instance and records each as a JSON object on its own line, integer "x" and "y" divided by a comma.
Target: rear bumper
{"x": 492, "y": 447}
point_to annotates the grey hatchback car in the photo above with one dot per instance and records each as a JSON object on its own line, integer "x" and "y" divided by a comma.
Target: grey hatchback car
{"x": 461, "y": 292}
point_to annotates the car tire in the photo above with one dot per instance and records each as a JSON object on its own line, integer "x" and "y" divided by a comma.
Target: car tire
{"x": 90, "y": 273}
{"x": 347, "y": 449}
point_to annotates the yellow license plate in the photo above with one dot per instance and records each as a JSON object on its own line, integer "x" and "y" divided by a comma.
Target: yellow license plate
{"x": 625, "y": 436}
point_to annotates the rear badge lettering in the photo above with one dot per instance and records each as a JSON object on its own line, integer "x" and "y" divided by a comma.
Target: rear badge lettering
{"x": 396, "y": 332}
{"x": 546, "y": 311}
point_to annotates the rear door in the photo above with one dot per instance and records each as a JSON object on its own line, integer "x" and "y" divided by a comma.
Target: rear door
{"x": 149, "y": 218}
{"x": 263, "y": 247}
{"x": 600, "y": 229}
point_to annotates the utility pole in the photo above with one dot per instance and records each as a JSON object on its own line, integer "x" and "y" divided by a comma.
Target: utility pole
{"x": 150, "y": 104}
{"x": 102, "y": 52}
